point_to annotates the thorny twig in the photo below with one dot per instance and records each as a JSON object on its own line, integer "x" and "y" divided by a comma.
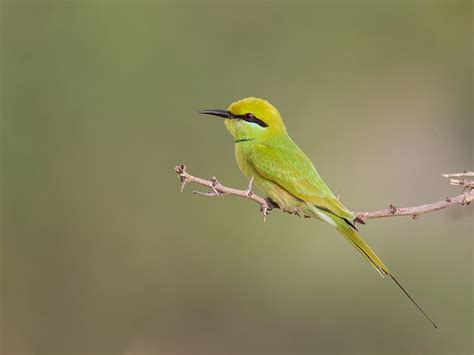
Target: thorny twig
{"x": 266, "y": 205}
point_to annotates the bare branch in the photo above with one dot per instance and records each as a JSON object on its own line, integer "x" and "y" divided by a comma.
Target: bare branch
{"x": 217, "y": 189}
{"x": 464, "y": 198}
{"x": 220, "y": 190}
{"x": 459, "y": 175}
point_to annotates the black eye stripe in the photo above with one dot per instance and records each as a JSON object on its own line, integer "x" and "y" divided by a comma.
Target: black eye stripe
{"x": 252, "y": 119}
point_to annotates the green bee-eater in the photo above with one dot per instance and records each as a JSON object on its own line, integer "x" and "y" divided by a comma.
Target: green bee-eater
{"x": 266, "y": 153}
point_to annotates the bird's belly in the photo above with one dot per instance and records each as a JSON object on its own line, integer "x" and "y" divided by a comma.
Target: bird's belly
{"x": 286, "y": 201}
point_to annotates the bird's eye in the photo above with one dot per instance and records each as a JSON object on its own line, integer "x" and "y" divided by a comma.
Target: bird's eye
{"x": 248, "y": 117}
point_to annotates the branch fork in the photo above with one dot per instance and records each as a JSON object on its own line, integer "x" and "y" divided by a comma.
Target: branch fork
{"x": 266, "y": 204}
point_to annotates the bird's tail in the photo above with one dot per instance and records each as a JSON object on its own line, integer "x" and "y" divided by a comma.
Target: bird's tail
{"x": 353, "y": 237}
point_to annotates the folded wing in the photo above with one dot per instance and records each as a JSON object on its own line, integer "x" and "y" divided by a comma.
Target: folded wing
{"x": 288, "y": 166}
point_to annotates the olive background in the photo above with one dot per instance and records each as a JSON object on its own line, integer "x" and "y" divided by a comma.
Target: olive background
{"x": 101, "y": 253}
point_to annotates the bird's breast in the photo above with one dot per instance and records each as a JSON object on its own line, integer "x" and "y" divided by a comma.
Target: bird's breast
{"x": 242, "y": 156}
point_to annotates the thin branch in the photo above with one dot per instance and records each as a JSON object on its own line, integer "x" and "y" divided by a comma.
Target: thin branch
{"x": 220, "y": 190}
{"x": 460, "y": 175}
{"x": 266, "y": 205}
{"x": 462, "y": 181}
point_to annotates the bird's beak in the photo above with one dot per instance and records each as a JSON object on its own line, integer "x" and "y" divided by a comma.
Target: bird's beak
{"x": 220, "y": 113}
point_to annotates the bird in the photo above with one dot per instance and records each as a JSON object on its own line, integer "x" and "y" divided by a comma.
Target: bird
{"x": 266, "y": 154}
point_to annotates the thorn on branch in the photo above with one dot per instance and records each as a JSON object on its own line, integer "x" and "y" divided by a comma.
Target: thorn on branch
{"x": 181, "y": 170}
{"x": 265, "y": 209}
{"x": 209, "y": 194}
{"x": 215, "y": 183}
{"x": 249, "y": 187}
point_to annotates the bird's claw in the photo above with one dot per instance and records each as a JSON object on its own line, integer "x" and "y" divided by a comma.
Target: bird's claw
{"x": 269, "y": 205}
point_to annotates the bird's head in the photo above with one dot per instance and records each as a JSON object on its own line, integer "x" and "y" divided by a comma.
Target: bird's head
{"x": 250, "y": 118}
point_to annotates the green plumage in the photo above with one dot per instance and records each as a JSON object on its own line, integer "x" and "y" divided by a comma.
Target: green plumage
{"x": 284, "y": 172}
{"x": 265, "y": 152}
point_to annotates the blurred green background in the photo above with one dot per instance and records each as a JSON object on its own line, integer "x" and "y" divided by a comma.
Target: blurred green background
{"x": 101, "y": 254}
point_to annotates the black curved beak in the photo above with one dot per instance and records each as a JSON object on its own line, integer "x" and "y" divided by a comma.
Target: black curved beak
{"x": 220, "y": 113}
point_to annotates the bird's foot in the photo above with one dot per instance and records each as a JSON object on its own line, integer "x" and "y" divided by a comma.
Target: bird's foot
{"x": 269, "y": 205}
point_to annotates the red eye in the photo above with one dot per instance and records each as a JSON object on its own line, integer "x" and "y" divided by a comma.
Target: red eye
{"x": 248, "y": 116}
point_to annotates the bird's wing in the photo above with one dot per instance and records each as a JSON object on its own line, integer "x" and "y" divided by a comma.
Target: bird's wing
{"x": 287, "y": 165}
